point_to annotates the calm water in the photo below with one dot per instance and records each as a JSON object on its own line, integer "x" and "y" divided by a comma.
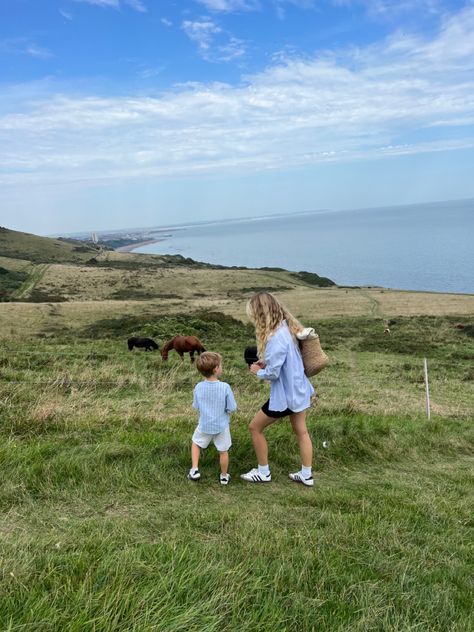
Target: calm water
{"x": 418, "y": 247}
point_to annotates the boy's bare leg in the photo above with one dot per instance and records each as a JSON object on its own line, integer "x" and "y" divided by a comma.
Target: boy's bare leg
{"x": 298, "y": 422}
{"x": 195, "y": 453}
{"x": 256, "y": 427}
{"x": 224, "y": 462}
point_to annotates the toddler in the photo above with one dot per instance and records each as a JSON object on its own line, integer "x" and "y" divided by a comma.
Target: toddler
{"x": 215, "y": 401}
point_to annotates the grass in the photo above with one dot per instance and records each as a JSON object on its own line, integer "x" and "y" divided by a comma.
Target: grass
{"x": 220, "y": 293}
{"x": 101, "y": 531}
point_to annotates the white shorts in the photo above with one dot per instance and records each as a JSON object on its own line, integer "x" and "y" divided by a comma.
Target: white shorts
{"x": 222, "y": 440}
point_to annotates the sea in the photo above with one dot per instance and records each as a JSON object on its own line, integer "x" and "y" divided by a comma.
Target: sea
{"x": 423, "y": 247}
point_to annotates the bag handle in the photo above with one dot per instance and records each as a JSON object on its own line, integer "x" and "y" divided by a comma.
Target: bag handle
{"x": 307, "y": 334}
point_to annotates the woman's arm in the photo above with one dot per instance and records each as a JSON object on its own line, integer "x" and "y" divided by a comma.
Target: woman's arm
{"x": 275, "y": 356}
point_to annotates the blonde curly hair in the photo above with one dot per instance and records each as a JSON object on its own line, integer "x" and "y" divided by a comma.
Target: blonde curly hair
{"x": 267, "y": 312}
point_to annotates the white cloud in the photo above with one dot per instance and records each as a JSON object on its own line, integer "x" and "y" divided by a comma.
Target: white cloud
{"x": 150, "y": 72}
{"x": 24, "y": 46}
{"x": 233, "y": 49}
{"x": 390, "y": 8}
{"x": 214, "y": 44}
{"x": 138, "y": 5}
{"x": 201, "y": 32}
{"x": 280, "y": 6}
{"x": 235, "y": 6}
{"x": 166, "y": 22}
{"x": 115, "y": 4}
{"x": 402, "y": 96}
{"x": 66, "y": 14}
{"x": 230, "y": 6}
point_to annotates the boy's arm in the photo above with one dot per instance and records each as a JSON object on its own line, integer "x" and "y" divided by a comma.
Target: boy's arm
{"x": 230, "y": 403}
{"x": 195, "y": 399}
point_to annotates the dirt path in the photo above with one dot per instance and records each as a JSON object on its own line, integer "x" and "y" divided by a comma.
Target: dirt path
{"x": 35, "y": 277}
{"x": 375, "y": 307}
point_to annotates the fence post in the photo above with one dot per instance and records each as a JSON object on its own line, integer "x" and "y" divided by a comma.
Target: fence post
{"x": 427, "y": 388}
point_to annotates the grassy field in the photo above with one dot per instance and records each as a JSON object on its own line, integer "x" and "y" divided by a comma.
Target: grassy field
{"x": 227, "y": 292}
{"x": 100, "y": 529}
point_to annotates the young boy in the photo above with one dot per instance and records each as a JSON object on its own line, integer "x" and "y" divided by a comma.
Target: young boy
{"x": 215, "y": 401}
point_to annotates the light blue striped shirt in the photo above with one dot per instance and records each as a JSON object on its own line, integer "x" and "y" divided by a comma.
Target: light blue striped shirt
{"x": 214, "y": 401}
{"x": 289, "y": 386}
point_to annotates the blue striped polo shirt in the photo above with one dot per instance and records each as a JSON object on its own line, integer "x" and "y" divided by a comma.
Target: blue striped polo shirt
{"x": 214, "y": 401}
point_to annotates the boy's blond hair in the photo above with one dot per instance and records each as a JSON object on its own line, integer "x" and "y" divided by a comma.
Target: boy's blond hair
{"x": 207, "y": 362}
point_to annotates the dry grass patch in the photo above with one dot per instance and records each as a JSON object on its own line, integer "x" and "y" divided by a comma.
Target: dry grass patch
{"x": 321, "y": 303}
{"x": 310, "y": 304}
{"x": 148, "y": 282}
{"x": 402, "y": 303}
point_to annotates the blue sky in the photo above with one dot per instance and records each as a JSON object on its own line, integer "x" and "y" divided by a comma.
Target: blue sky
{"x": 119, "y": 113}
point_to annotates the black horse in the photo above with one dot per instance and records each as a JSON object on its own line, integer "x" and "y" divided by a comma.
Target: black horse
{"x": 136, "y": 341}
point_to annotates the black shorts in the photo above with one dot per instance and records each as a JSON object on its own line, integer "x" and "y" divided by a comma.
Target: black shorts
{"x": 276, "y": 414}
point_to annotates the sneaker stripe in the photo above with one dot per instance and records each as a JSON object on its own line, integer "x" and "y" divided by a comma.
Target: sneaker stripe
{"x": 254, "y": 476}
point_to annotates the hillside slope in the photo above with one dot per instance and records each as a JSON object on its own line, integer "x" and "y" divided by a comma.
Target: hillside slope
{"x": 18, "y": 245}
{"x": 83, "y": 283}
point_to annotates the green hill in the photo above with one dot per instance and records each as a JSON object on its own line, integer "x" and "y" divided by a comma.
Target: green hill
{"x": 18, "y": 245}
{"x": 24, "y": 258}
{"x": 40, "y": 269}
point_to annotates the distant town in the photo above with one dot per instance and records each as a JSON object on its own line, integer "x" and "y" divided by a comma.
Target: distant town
{"x": 122, "y": 239}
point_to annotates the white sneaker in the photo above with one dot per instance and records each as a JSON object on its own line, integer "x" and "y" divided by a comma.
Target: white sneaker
{"x": 254, "y": 476}
{"x": 298, "y": 477}
{"x": 194, "y": 475}
{"x": 224, "y": 479}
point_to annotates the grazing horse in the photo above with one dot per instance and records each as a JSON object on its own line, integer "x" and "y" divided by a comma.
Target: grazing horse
{"x": 183, "y": 344}
{"x": 136, "y": 341}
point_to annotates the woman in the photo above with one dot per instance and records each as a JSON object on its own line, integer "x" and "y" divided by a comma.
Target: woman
{"x": 290, "y": 389}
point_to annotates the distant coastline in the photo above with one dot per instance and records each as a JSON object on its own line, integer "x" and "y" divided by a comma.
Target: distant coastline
{"x": 424, "y": 247}
{"x": 138, "y": 244}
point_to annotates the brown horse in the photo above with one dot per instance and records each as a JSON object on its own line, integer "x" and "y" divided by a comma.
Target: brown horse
{"x": 183, "y": 344}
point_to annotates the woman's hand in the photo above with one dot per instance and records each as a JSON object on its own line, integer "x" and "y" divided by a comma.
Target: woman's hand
{"x": 256, "y": 366}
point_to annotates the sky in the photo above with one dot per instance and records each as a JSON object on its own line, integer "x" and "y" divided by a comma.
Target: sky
{"x": 128, "y": 113}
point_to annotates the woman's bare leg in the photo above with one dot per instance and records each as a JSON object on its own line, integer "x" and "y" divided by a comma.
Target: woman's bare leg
{"x": 256, "y": 427}
{"x": 298, "y": 423}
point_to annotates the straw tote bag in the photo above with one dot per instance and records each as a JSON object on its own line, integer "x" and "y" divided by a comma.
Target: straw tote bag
{"x": 314, "y": 358}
